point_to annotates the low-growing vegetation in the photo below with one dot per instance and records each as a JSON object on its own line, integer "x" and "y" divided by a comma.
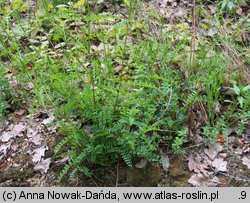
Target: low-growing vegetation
{"x": 122, "y": 83}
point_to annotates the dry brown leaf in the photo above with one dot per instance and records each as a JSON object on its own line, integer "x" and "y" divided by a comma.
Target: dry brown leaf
{"x": 246, "y": 161}
{"x": 34, "y": 136}
{"x": 191, "y": 163}
{"x": 199, "y": 180}
{"x": 36, "y": 139}
{"x": 165, "y": 162}
{"x": 220, "y": 164}
{"x": 48, "y": 120}
{"x": 197, "y": 164}
{"x": 213, "y": 150}
{"x": 6, "y": 136}
{"x": 246, "y": 149}
{"x": 4, "y": 148}
{"x": 31, "y": 132}
{"x": 18, "y": 129}
{"x": 207, "y": 159}
{"x": 15, "y": 147}
{"x": 198, "y": 139}
{"x": 180, "y": 12}
{"x": 220, "y": 138}
{"x": 43, "y": 166}
{"x": 14, "y": 132}
{"x": 20, "y": 112}
{"x": 141, "y": 164}
{"x": 38, "y": 153}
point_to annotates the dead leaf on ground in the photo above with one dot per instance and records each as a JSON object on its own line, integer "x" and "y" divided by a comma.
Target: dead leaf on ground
{"x": 220, "y": 164}
{"x": 4, "y": 148}
{"x": 31, "y": 132}
{"x": 199, "y": 180}
{"x": 220, "y": 138}
{"x": 14, "y": 132}
{"x": 238, "y": 151}
{"x": 37, "y": 154}
{"x": 246, "y": 161}
{"x": 211, "y": 32}
{"x": 141, "y": 164}
{"x": 213, "y": 150}
{"x": 20, "y": 112}
{"x": 6, "y": 136}
{"x": 15, "y": 147}
{"x": 18, "y": 129}
{"x": 43, "y": 165}
{"x": 197, "y": 164}
{"x": 34, "y": 137}
{"x": 48, "y": 120}
{"x": 180, "y": 12}
{"x": 246, "y": 149}
{"x": 165, "y": 162}
{"x": 198, "y": 139}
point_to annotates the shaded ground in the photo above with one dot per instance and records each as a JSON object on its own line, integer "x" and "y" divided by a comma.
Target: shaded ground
{"x": 31, "y": 141}
{"x": 27, "y": 145}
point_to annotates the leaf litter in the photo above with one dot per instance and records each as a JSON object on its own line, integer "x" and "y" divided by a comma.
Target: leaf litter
{"x": 202, "y": 163}
{"x": 38, "y": 138}
{"x": 24, "y": 140}
{"x": 4, "y": 149}
{"x": 38, "y": 153}
{"x": 246, "y": 161}
{"x": 43, "y": 165}
{"x": 17, "y": 130}
{"x": 213, "y": 150}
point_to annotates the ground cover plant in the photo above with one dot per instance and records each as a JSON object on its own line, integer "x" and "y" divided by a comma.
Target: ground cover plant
{"x": 123, "y": 80}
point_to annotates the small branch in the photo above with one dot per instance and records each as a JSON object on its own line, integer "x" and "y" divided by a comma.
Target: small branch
{"x": 235, "y": 177}
{"x": 117, "y": 175}
{"x": 230, "y": 176}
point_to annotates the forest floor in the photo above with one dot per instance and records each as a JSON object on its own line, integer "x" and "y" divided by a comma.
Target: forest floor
{"x": 28, "y": 138}
{"x": 35, "y": 140}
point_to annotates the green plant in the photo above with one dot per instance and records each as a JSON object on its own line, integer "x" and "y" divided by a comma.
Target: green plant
{"x": 178, "y": 142}
{"x": 243, "y": 95}
{"x": 119, "y": 85}
{"x": 56, "y": 2}
{"x": 243, "y": 119}
{"x": 230, "y": 4}
{"x": 5, "y": 94}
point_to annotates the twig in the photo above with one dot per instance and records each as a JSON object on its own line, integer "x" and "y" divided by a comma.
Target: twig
{"x": 117, "y": 175}
{"x": 169, "y": 101}
{"x": 230, "y": 176}
{"x": 94, "y": 182}
{"x": 235, "y": 177}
